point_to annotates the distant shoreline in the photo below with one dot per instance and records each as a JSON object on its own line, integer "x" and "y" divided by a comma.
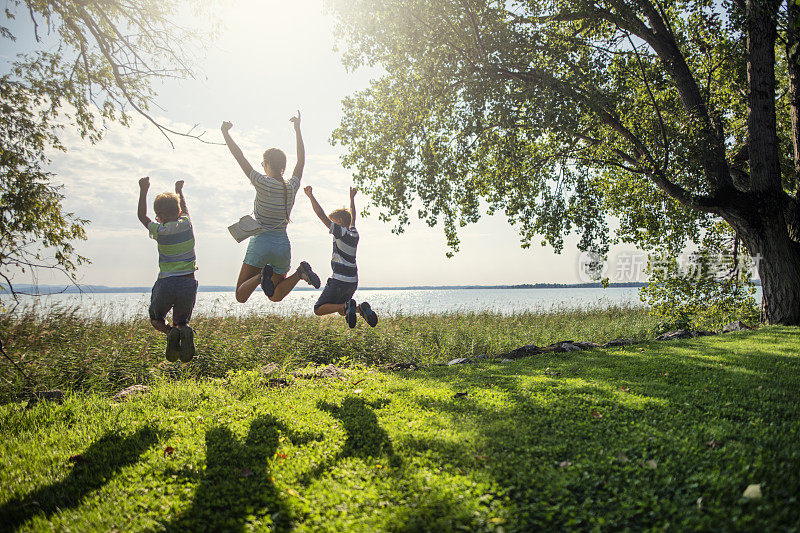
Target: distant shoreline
{"x": 45, "y": 290}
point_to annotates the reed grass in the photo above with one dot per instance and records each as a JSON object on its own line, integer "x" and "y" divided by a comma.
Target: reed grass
{"x": 62, "y": 347}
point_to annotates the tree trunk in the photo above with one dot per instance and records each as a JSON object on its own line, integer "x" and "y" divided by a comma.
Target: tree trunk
{"x": 793, "y": 61}
{"x": 759, "y": 219}
{"x": 765, "y": 172}
{"x": 779, "y": 270}
{"x": 762, "y": 215}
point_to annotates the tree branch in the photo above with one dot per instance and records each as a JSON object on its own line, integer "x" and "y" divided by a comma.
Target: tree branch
{"x": 655, "y": 173}
{"x": 2, "y": 350}
{"x": 659, "y": 37}
{"x": 655, "y": 104}
{"x": 102, "y": 41}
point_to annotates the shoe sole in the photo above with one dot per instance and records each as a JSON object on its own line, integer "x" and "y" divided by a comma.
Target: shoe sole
{"x": 369, "y": 315}
{"x": 187, "y": 344}
{"x": 266, "y": 284}
{"x": 350, "y": 314}
{"x": 310, "y": 277}
{"x": 173, "y": 345}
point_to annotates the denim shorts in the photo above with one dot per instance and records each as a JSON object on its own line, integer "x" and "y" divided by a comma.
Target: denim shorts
{"x": 336, "y": 292}
{"x": 270, "y": 248}
{"x": 177, "y": 293}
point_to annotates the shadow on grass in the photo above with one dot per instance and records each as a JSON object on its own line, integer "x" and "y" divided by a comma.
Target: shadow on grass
{"x": 236, "y": 487}
{"x": 631, "y": 436}
{"x": 94, "y": 467}
{"x": 366, "y": 439}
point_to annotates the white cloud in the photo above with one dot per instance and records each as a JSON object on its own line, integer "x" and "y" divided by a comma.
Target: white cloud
{"x": 101, "y": 185}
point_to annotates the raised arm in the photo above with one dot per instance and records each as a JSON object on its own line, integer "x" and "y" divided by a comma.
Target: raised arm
{"x": 144, "y": 184}
{"x": 247, "y": 168}
{"x": 301, "y": 149}
{"x": 179, "y": 191}
{"x": 353, "y": 192}
{"x": 317, "y": 208}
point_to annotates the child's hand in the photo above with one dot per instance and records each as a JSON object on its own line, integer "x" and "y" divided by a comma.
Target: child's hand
{"x": 144, "y": 183}
{"x": 296, "y": 120}
{"x": 178, "y": 186}
{"x": 226, "y": 126}
{"x": 353, "y": 191}
{"x": 307, "y": 189}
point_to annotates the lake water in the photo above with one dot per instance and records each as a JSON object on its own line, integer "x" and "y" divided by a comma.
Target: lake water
{"x": 408, "y": 302}
{"x": 117, "y": 306}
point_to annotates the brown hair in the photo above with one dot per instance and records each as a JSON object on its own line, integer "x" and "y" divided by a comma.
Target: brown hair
{"x": 167, "y": 204}
{"x": 276, "y": 160}
{"x": 342, "y": 214}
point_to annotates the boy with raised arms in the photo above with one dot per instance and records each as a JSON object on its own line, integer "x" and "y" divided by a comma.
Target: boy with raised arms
{"x": 337, "y": 296}
{"x": 175, "y": 288}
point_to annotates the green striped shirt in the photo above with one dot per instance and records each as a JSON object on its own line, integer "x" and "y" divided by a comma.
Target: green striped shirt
{"x": 175, "y": 247}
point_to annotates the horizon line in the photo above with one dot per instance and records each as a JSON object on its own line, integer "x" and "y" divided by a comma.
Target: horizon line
{"x": 44, "y": 290}
{"x": 79, "y": 289}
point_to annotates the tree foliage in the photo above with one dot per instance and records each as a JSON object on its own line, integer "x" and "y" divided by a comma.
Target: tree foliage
{"x": 711, "y": 288}
{"x": 32, "y": 219}
{"x": 95, "y": 63}
{"x": 666, "y": 116}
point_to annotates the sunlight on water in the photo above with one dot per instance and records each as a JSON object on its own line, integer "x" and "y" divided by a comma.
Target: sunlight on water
{"x": 120, "y": 306}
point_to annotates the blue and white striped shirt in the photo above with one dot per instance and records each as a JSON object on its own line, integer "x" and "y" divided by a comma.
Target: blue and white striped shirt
{"x": 343, "y": 262}
{"x": 274, "y": 200}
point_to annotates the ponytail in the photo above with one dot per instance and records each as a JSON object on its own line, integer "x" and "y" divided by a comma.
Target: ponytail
{"x": 286, "y": 201}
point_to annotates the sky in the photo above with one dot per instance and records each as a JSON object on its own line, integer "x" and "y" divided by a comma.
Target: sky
{"x": 270, "y": 59}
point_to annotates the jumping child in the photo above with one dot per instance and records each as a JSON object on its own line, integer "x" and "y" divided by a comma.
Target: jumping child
{"x": 337, "y": 297}
{"x": 269, "y": 251}
{"x": 175, "y": 287}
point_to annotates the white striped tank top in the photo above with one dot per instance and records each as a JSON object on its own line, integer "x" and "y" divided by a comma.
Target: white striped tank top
{"x": 274, "y": 200}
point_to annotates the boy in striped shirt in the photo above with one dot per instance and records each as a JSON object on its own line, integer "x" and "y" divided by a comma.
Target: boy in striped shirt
{"x": 175, "y": 287}
{"x": 337, "y": 296}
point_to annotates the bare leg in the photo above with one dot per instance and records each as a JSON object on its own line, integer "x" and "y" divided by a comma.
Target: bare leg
{"x": 327, "y": 309}
{"x": 161, "y": 326}
{"x": 249, "y": 279}
{"x": 283, "y": 285}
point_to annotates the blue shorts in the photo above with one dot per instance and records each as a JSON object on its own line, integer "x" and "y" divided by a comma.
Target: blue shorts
{"x": 177, "y": 293}
{"x": 270, "y": 248}
{"x": 336, "y": 292}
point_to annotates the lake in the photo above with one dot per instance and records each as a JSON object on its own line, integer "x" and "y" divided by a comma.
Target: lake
{"x": 117, "y": 306}
{"x": 409, "y": 302}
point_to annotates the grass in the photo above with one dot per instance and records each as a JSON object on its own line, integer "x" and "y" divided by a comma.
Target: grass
{"x": 654, "y": 436}
{"x": 65, "y": 349}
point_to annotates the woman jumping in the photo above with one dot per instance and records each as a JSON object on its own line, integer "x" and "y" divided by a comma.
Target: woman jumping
{"x": 269, "y": 252}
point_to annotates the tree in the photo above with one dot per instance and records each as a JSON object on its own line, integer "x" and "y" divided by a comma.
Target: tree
{"x": 96, "y": 62}
{"x": 667, "y": 115}
{"x": 706, "y": 290}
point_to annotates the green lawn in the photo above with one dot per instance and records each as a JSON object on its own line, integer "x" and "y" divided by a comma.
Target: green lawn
{"x": 652, "y": 436}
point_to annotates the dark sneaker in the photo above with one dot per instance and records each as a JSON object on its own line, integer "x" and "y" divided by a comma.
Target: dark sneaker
{"x": 307, "y": 275}
{"x": 350, "y": 313}
{"x": 266, "y": 281}
{"x": 187, "y": 344}
{"x": 368, "y": 314}
{"x": 173, "y": 344}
